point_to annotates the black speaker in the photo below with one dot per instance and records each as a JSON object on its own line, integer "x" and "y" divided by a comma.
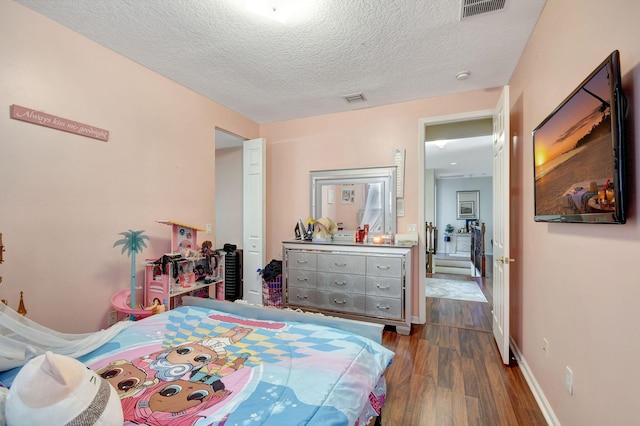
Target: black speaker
{"x": 233, "y": 275}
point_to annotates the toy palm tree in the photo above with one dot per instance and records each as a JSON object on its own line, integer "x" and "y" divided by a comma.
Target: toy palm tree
{"x": 132, "y": 243}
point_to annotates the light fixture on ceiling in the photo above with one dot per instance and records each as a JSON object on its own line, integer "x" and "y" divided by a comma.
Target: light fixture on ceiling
{"x": 278, "y": 10}
{"x": 453, "y": 164}
{"x": 463, "y": 75}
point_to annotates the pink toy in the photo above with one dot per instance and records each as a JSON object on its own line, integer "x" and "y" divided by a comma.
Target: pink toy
{"x": 120, "y": 302}
{"x": 183, "y": 236}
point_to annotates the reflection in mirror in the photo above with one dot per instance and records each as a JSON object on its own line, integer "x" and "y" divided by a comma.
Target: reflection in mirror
{"x": 355, "y": 197}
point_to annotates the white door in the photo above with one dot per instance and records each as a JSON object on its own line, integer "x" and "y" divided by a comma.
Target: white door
{"x": 501, "y": 193}
{"x": 253, "y": 218}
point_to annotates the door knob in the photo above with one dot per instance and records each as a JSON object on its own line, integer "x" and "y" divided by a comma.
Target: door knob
{"x": 506, "y": 259}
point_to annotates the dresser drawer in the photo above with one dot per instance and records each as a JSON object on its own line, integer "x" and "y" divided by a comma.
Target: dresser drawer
{"x": 384, "y": 307}
{"x": 300, "y": 296}
{"x": 379, "y": 266}
{"x": 342, "y": 302}
{"x": 302, "y": 278}
{"x": 341, "y": 263}
{"x": 384, "y": 286}
{"x": 301, "y": 260}
{"x": 347, "y": 283}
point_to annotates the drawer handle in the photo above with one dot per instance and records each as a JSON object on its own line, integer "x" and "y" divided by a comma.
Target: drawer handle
{"x": 301, "y": 297}
{"x": 383, "y": 267}
{"x": 302, "y": 279}
{"x": 340, "y": 283}
{"x": 383, "y": 288}
{"x": 340, "y": 264}
{"x": 301, "y": 261}
{"x": 339, "y": 302}
{"x": 382, "y": 307}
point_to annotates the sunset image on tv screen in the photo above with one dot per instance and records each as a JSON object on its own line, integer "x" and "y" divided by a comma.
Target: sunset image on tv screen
{"x": 573, "y": 153}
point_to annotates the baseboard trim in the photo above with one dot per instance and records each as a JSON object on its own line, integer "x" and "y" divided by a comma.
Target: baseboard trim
{"x": 542, "y": 401}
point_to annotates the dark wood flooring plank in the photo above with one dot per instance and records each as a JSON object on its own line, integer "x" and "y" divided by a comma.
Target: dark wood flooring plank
{"x": 488, "y": 409}
{"x": 459, "y": 415}
{"x": 473, "y": 411}
{"x": 497, "y": 380}
{"x": 416, "y": 407}
{"x": 444, "y": 407}
{"x": 470, "y": 378}
{"x": 445, "y": 367}
{"x": 469, "y": 344}
{"x": 449, "y": 338}
{"x": 457, "y": 374}
{"x": 398, "y": 376}
{"x": 429, "y": 412}
{"x": 420, "y": 365}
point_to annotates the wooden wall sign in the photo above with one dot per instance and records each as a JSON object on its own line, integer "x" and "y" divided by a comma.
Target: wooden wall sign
{"x": 47, "y": 120}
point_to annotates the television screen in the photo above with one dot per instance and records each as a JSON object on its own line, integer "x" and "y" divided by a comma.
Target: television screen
{"x": 578, "y": 153}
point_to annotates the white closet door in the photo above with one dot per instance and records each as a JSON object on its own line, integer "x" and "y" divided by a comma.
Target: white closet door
{"x": 253, "y": 218}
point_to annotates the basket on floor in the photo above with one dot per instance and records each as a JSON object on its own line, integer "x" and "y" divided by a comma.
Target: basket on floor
{"x": 272, "y": 292}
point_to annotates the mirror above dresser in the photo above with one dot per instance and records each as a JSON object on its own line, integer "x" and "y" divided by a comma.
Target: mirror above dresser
{"x": 355, "y": 197}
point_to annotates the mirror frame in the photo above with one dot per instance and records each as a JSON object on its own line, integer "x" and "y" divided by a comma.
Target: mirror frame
{"x": 386, "y": 175}
{"x": 467, "y": 200}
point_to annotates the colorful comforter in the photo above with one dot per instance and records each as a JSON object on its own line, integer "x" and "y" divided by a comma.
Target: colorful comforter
{"x": 196, "y": 366}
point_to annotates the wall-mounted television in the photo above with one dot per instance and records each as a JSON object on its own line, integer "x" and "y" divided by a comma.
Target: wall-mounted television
{"x": 579, "y": 150}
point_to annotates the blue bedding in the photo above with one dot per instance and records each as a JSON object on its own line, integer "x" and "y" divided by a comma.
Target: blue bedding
{"x": 197, "y": 366}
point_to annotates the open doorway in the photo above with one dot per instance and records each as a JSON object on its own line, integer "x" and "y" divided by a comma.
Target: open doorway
{"x": 228, "y": 209}
{"x": 458, "y": 192}
{"x": 500, "y": 237}
{"x": 228, "y": 199}
{"x": 428, "y": 189}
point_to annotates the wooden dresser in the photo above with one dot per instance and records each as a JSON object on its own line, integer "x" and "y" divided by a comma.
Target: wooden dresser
{"x": 364, "y": 282}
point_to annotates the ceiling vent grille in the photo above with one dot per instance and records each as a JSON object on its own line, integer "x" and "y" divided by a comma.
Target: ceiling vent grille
{"x": 356, "y": 97}
{"x": 478, "y": 7}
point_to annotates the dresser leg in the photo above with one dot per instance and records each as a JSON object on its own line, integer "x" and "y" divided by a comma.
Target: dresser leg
{"x": 403, "y": 330}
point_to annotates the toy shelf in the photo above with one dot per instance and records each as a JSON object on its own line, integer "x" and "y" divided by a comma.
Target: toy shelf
{"x": 181, "y": 290}
{"x": 169, "y": 286}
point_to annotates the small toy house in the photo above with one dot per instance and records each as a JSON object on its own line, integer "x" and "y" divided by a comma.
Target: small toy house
{"x": 182, "y": 236}
{"x": 174, "y": 275}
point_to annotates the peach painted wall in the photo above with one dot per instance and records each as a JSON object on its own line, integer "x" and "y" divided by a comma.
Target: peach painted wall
{"x": 361, "y": 138}
{"x": 577, "y": 285}
{"x": 64, "y": 197}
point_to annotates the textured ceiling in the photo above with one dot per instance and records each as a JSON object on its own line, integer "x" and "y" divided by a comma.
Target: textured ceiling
{"x": 390, "y": 50}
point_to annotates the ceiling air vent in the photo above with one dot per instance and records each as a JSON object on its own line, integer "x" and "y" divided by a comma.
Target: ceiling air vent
{"x": 357, "y": 97}
{"x": 478, "y": 7}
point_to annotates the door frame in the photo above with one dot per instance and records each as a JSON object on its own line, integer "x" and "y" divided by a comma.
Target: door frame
{"x": 422, "y": 133}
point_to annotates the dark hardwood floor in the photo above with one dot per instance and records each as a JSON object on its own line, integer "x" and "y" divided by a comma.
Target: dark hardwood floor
{"x": 449, "y": 371}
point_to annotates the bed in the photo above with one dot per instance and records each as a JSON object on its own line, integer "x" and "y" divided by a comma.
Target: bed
{"x": 222, "y": 363}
